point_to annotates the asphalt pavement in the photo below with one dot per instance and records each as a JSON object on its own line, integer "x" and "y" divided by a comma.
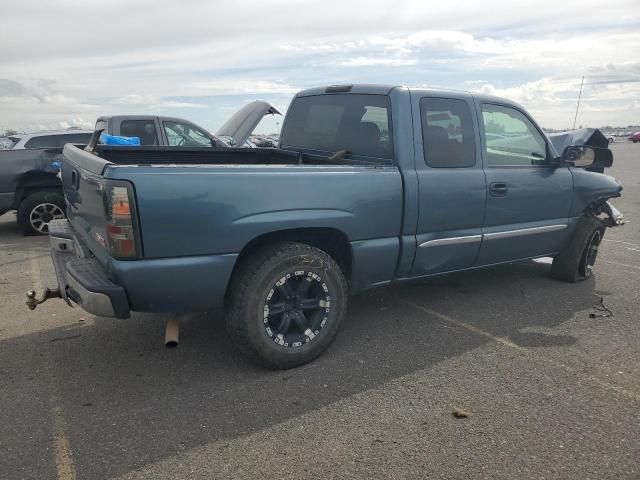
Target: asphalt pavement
{"x": 548, "y": 372}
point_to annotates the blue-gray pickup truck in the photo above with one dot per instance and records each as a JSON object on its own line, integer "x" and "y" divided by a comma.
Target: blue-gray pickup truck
{"x": 370, "y": 185}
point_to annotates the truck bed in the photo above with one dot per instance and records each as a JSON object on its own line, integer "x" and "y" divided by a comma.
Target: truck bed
{"x": 126, "y": 155}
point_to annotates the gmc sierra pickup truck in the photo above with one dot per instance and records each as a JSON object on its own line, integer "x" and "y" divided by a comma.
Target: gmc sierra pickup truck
{"x": 371, "y": 185}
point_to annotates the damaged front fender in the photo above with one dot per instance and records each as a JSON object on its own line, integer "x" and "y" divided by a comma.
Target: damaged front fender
{"x": 613, "y": 216}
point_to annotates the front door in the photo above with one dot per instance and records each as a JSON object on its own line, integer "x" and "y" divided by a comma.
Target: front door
{"x": 451, "y": 184}
{"x": 528, "y": 201}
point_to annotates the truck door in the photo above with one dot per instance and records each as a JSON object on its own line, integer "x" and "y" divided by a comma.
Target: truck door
{"x": 452, "y": 187}
{"x": 528, "y": 200}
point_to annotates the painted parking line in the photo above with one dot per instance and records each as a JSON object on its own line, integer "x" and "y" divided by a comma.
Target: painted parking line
{"x": 526, "y": 351}
{"x": 625, "y": 265}
{"x": 65, "y": 467}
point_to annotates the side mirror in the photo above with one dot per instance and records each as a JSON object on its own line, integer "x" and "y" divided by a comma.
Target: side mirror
{"x": 579, "y": 155}
{"x": 584, "y": 156}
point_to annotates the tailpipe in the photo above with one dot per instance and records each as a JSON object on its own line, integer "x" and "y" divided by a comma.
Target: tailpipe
{"x": 172, "y": 333}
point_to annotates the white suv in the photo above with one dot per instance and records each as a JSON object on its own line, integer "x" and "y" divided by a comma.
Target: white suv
{"x": 49, "y": 139}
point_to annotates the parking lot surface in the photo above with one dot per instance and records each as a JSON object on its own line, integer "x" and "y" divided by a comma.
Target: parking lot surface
{"x": 549, "y": 373}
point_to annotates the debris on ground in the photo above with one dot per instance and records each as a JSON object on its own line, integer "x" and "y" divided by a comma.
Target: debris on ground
{"x": 460, "y": 413}
{"x": 601, "y": 310}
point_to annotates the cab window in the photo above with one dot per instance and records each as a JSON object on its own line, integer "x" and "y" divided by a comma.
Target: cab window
{"x": 145, "y": 130}
{"x": 185, "y": 135}
{"x": 359, "y": 124}
{"x": 447, "y": 133}
{"x": 510, "y": 139}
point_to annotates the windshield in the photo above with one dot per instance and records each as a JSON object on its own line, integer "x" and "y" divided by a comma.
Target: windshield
{"x": 184, "y": 135}
{"x": 359, "y": 124}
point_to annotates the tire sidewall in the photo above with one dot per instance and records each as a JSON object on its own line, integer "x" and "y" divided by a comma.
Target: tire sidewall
{"x": 267, "y": 276}
{"x": 31, "y": 202}
{"x": 587, "y": 273}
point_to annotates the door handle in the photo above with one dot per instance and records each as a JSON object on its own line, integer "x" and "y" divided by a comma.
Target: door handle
{"x": 498, "y": 189}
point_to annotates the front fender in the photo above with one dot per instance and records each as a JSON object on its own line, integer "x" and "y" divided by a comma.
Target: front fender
{"x": 591, "y": 189}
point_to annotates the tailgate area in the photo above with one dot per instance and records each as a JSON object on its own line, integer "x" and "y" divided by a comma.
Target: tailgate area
{"x": 81, "y": 278}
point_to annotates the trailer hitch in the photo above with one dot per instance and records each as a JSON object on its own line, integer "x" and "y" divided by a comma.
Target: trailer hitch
{"x": 33, "y": 302}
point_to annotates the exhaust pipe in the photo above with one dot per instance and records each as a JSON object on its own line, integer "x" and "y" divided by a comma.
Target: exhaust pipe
{"x": 171, "y": 334}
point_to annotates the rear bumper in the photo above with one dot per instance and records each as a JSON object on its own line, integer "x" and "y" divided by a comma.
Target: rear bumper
{"x": 169, "y": 285}
{"x": 81, "y": 279}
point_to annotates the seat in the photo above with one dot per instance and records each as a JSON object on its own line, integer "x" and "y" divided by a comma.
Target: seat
{"x": 437, "y": 147}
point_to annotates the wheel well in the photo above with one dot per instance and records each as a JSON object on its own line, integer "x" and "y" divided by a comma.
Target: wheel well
{"x": 36, "y": 183}
{"x": 330, "y": 240}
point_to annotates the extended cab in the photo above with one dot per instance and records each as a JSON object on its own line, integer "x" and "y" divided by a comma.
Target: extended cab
{"x": 371, "y": 185}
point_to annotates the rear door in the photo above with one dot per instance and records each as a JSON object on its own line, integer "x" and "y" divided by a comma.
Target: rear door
{"x": 528, "y": 201}
{"x": 451, "y": 184}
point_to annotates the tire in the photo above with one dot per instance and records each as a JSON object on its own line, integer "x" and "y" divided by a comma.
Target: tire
{"x": 575, "y": 263}
{"x": 38, "y": 209}
{"x": 262, "y": 313}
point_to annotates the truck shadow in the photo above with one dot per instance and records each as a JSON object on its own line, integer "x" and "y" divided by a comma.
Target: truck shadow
{"x": 128, "y": 401}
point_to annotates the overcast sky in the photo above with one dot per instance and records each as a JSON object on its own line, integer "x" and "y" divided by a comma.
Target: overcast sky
{"x": 65, "y": 62}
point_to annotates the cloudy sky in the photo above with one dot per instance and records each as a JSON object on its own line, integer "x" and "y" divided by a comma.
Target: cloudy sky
{"x": 64, "y": 62}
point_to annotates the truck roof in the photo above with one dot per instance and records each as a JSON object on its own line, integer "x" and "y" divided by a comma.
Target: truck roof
{"x": 385, "y": 89}
{"x": 143, "y": 117}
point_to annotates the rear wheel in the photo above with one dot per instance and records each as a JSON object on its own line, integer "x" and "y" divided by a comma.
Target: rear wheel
{"x": 38, "y": 209}
{"x": 286, "y": 304}
{"x": 577, "y": 261}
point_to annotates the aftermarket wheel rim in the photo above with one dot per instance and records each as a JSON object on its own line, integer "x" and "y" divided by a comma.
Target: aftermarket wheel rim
{"x": 42, "y": 214}
{"x": 296, "y": 309}
{"x": 590, "y": 254}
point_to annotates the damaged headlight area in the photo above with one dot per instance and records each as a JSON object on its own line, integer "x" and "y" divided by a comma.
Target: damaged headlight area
{"x": 609, "y": 214}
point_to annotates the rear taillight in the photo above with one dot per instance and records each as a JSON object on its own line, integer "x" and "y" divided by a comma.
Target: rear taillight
{"x": 121, "y": 232}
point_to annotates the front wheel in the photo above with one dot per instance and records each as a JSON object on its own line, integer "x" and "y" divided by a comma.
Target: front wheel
{"x": 577, "y": 261}
{"x": 285, "y": 304}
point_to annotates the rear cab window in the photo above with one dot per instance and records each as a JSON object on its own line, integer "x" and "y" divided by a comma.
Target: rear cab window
{"x": 145, "y": 130}
{"x": 360, "y": 124}
{"x": 447, "y": 133}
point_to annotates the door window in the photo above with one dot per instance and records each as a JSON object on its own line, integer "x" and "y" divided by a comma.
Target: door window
{"x": 447, "y": 133}
{"x": 145, "y": 130}
{"x": 185, "y": 135}
{"x": 510, "y": 139}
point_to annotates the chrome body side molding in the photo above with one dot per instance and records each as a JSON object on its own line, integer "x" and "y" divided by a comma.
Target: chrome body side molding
{"x": 492, "y": 236}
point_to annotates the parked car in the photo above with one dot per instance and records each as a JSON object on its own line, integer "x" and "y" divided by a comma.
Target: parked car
{"x": 28, "y": 181}
{"x": 49, "y": 139}
{"x": 368, "y": 188}
{"x": 635, "y": 137}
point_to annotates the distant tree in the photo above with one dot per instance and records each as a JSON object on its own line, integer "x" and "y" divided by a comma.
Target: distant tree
{"x": 10, "y": 131}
